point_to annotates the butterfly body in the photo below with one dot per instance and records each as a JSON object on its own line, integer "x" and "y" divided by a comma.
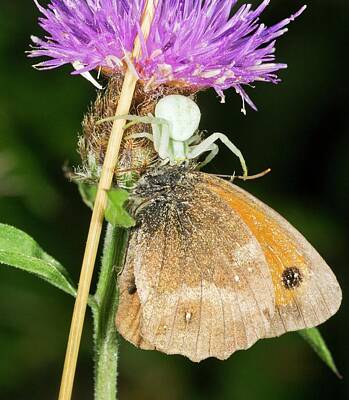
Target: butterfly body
{"x": 210, "y": 269}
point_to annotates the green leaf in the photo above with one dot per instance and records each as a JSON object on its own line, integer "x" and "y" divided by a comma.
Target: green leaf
{"x": 115, "y": 212}
{"x": 316, "y": 341}
{"x": 88, "y": 193}
{"x": 19, "y": 250}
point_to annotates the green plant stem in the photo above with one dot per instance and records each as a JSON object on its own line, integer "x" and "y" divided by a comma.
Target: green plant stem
{"x": 105, "y": 335}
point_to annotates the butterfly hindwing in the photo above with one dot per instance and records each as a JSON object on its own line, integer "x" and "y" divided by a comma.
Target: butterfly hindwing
{"x": 129, "y": 308}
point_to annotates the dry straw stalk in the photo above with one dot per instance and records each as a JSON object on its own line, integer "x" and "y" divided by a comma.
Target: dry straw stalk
{"x": 97, "y": 219}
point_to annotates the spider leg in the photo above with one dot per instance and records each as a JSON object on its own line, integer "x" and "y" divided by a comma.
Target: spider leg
{"x": 213, "y": 151}
{"x": 156, "y": 135}
{"x": 128, "y": 117}
{"x": 164, "y": 142}
{"x": 145, "y": 120}
{"x": 206, "y": 146}
{"x": 193, "y": 139}
{"x": 178, "y": 151}
{"x": 135, "y": 119}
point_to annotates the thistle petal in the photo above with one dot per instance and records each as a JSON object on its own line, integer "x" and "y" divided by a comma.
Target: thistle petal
{"x": 192, "y": 42}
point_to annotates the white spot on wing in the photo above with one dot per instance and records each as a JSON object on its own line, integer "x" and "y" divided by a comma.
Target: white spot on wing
{"x": 187, "y": 317}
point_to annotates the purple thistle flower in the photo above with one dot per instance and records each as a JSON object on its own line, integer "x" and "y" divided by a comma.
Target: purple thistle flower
{"x": 191, "y": 43}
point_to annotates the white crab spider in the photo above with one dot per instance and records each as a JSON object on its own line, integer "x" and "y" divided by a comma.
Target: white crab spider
{"x": 175, "y": 132}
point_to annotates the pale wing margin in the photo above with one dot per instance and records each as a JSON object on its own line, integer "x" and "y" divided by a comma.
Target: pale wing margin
{"x": 129, "y": 308}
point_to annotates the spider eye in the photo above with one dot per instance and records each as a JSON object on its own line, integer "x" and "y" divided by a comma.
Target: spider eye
{"x": 182, "y": 113}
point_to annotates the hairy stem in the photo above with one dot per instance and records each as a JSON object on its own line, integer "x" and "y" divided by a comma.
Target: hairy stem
{"x": 105, "y": 335}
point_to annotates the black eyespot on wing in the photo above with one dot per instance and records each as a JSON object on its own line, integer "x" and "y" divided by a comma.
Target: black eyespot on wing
{"x": 292, "y": 277}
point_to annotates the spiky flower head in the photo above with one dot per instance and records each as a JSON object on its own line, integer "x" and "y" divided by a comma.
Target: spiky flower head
{"x": 192, "y": 43}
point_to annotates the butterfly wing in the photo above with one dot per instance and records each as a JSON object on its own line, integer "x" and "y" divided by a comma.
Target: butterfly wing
{"x": 129, "y": 308}
{"x": 203, "y": 285}
{"x": 306, "y": 290}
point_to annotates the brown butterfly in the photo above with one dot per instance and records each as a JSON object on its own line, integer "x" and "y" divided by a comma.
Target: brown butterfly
{"x": 210, "y": 269}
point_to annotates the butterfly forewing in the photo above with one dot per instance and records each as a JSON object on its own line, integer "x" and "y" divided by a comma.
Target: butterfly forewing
{"x": 306, "y": 291}
{"x": 202, "y": 279}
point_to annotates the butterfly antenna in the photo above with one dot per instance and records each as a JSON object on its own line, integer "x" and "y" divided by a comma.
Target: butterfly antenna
{"x": 244, "y": 178}
{"x": 256, "y": 176}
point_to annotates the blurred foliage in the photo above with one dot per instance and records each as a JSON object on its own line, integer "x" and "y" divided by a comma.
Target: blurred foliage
{"x": 300, "y": 131}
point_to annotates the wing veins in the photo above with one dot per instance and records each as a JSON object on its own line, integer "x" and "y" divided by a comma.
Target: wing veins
{"x": 158, "y": 278}
{"x": 199, "y": 329}
{"x": 295, "y": 299}
{"x": 321, "y": 293}
{"x": 250, "y": 288}
{"x": 239, "y": 306}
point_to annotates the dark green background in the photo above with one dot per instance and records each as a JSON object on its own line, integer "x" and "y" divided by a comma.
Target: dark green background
{"x": 301, "y": 131}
